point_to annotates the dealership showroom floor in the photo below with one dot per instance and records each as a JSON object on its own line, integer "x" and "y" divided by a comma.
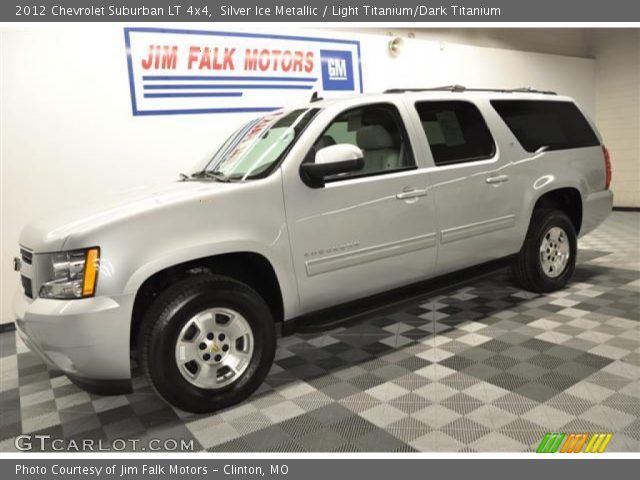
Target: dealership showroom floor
{"x": 477, "y": 366}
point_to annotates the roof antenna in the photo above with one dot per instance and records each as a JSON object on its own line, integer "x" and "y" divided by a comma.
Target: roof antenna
{"x": 315, "y": 97}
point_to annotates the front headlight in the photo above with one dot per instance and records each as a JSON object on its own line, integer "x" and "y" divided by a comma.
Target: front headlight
{"x": 72, "y": 274}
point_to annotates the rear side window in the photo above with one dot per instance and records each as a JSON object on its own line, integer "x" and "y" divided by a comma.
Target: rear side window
{"x": 555, "y": 125}
{"x": 456, "y": 132}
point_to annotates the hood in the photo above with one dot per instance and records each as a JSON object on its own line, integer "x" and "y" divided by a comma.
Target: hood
{"x": 49, "y": 233}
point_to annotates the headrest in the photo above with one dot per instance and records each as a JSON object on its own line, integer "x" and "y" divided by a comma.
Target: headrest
{"x": 374, "y": 137}
{"x": 324, "y": 141}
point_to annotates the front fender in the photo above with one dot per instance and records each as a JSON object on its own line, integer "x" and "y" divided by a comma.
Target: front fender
{"x": 280, "y": 263}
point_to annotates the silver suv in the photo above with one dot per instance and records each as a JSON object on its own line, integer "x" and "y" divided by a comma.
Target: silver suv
{"x": 301, "y": 210}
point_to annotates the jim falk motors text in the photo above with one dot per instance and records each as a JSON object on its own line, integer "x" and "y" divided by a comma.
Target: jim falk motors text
{"x": 207, "y": 58}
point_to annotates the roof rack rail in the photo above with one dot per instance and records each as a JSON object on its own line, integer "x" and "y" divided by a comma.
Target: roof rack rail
{"x": 462, "y": 88}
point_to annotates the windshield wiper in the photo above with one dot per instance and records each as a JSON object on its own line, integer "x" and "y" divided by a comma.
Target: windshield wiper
{"x": 219, "y": 176}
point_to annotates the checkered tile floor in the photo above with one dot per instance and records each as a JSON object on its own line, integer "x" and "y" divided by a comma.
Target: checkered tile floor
{"x": 481, "y": 367}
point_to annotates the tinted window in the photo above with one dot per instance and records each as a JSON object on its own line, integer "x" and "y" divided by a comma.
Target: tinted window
{"x": 556, "y": 125}
{"x": 456, "y": 132}
{"x": 378, "y": 131}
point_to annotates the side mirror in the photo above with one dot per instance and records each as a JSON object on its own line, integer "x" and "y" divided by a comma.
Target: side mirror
{"x": 332, "y": 160}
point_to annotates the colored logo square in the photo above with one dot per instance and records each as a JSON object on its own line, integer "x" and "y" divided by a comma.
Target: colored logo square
{"x": 337, "y": 70}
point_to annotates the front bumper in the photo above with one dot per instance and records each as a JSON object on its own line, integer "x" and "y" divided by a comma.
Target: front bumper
{"x": 87, "y": 339}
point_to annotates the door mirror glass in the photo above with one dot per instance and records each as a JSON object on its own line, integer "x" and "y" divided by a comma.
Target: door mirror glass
{"x": 337, "y": 159}
{"x": 340, "y": 153}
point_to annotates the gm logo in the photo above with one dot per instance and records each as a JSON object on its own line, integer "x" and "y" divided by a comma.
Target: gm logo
{"x": 337, "y": 70}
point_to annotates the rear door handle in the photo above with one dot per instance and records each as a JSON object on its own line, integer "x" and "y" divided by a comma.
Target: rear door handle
{"x": 497, "y": 179}
{"x": 414, "y": 193}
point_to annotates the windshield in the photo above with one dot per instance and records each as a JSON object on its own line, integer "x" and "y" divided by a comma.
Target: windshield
{"x": 256, "y": 149}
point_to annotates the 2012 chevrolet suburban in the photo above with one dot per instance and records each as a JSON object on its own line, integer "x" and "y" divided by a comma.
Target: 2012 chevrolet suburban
{"x": 301, "y": 210}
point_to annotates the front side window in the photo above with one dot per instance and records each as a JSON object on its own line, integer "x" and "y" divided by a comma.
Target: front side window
{"x": 554, "y": 125}
{"x": 378, "y": 131}
{"x": 456, "y": 132}
{"x": 257, "y": 148}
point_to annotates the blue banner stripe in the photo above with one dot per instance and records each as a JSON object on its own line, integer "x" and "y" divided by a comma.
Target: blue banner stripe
{"x": 227, "y": 78}
{"x": 193, "y": 94}
{"x": 206, "y": 110}
{"x": 228, "y": 86}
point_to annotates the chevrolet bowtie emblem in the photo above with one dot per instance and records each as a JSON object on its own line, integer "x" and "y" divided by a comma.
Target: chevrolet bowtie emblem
{"x": 215, "y": 348}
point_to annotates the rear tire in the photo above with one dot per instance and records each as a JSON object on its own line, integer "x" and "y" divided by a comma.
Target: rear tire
{"x": 207, "y": 343}
{"x": 548, "y": 256}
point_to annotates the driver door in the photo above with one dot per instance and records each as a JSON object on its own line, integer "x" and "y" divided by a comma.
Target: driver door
{"x": 367, "y": 231}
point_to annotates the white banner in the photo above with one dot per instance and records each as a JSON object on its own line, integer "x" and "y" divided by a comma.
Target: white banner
{"x": 195, "y": 71}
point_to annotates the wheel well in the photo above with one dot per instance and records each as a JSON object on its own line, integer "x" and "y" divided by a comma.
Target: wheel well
{"x": 566, "y": 199}
{"x": 250, "y": 268}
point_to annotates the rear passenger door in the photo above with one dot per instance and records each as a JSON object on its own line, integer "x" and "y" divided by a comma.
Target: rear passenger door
{"x": 474, "y": 197}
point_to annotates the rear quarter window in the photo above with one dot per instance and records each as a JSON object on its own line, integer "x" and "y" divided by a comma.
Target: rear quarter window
{"x": 552, "y": 124}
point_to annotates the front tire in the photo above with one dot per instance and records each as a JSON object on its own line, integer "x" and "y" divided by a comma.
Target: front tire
{"x": 207, "y": 343}
{"x": 548, "y": 256}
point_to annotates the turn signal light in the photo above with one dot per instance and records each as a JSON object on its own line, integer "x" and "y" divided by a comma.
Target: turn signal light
{"x": 90, "y": 272}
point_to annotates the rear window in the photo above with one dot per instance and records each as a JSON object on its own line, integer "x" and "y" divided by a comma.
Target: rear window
{"x": 456, "y": 132}
{"x": 555, "y": 125}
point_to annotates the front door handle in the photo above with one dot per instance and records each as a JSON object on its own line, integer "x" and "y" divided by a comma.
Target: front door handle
{"x": 413, "y": 193}
{"x": 497, "y": 179}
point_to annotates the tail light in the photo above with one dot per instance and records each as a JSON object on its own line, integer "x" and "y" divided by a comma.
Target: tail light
{"x": 607, "y": 166}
